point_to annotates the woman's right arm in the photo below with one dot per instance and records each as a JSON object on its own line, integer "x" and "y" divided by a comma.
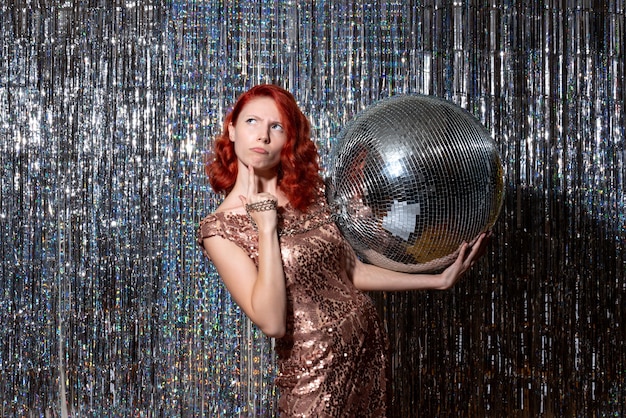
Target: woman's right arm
{"x": 260, "y": 293}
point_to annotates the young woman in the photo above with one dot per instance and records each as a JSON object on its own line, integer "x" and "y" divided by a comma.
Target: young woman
{"x": 285, "y": 263}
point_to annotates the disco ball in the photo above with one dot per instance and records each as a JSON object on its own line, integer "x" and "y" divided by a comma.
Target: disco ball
{"x": 410, "y": 179}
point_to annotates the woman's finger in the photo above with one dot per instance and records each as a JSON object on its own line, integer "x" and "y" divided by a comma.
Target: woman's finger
{"x": 477, "y": 249}
{"x": 252, "y": 182}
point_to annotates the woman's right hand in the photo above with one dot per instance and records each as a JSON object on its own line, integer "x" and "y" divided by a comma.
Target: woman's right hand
{"x": 261, "y": 207}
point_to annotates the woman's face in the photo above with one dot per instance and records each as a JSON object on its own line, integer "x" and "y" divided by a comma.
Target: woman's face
{"x": 259, "y": 134}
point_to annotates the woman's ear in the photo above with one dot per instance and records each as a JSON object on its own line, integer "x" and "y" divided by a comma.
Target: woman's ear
{"x": 231, "y": 132}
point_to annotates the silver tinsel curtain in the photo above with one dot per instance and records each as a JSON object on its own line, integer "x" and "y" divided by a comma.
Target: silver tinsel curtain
{"x": 107, "y": 108}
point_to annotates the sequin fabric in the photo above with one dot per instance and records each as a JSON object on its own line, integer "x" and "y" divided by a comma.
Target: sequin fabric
{"x": 332, "y": 359}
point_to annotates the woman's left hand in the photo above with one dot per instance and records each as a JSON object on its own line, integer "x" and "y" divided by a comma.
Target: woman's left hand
{"x": 468, "y": 255}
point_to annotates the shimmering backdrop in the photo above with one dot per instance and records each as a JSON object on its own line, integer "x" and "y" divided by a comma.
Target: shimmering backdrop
{"x": 107, "y": 107}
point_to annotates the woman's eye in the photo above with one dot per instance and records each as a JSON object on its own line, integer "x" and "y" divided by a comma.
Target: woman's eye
{"x": 250, "y": 120}
{"x": 277, "y": 127}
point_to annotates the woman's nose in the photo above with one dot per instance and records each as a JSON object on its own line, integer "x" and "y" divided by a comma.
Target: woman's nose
{"x": 264, "y": 137}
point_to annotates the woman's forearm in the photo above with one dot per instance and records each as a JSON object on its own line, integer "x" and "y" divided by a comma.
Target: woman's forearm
{"x": 269, "y": 297}
{"x": 370, "y": 277}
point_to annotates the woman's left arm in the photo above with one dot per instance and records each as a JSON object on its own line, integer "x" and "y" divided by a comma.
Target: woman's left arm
{"x": 370, "y": 277}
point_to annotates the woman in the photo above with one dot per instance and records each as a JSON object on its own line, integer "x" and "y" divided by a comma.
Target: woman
{"x": 285, "y": 263}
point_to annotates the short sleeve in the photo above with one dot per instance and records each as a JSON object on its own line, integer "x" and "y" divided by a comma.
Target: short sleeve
{"x": 233, "y": 227}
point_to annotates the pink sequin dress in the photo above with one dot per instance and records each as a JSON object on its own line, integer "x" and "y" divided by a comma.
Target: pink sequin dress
{"x": 332, "y": 359}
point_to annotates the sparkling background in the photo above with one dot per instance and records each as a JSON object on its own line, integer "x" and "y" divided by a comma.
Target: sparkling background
{"x": 107, "y": 108}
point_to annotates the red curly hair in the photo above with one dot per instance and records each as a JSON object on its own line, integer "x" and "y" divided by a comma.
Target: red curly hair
{"x": 298, "y": 172}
